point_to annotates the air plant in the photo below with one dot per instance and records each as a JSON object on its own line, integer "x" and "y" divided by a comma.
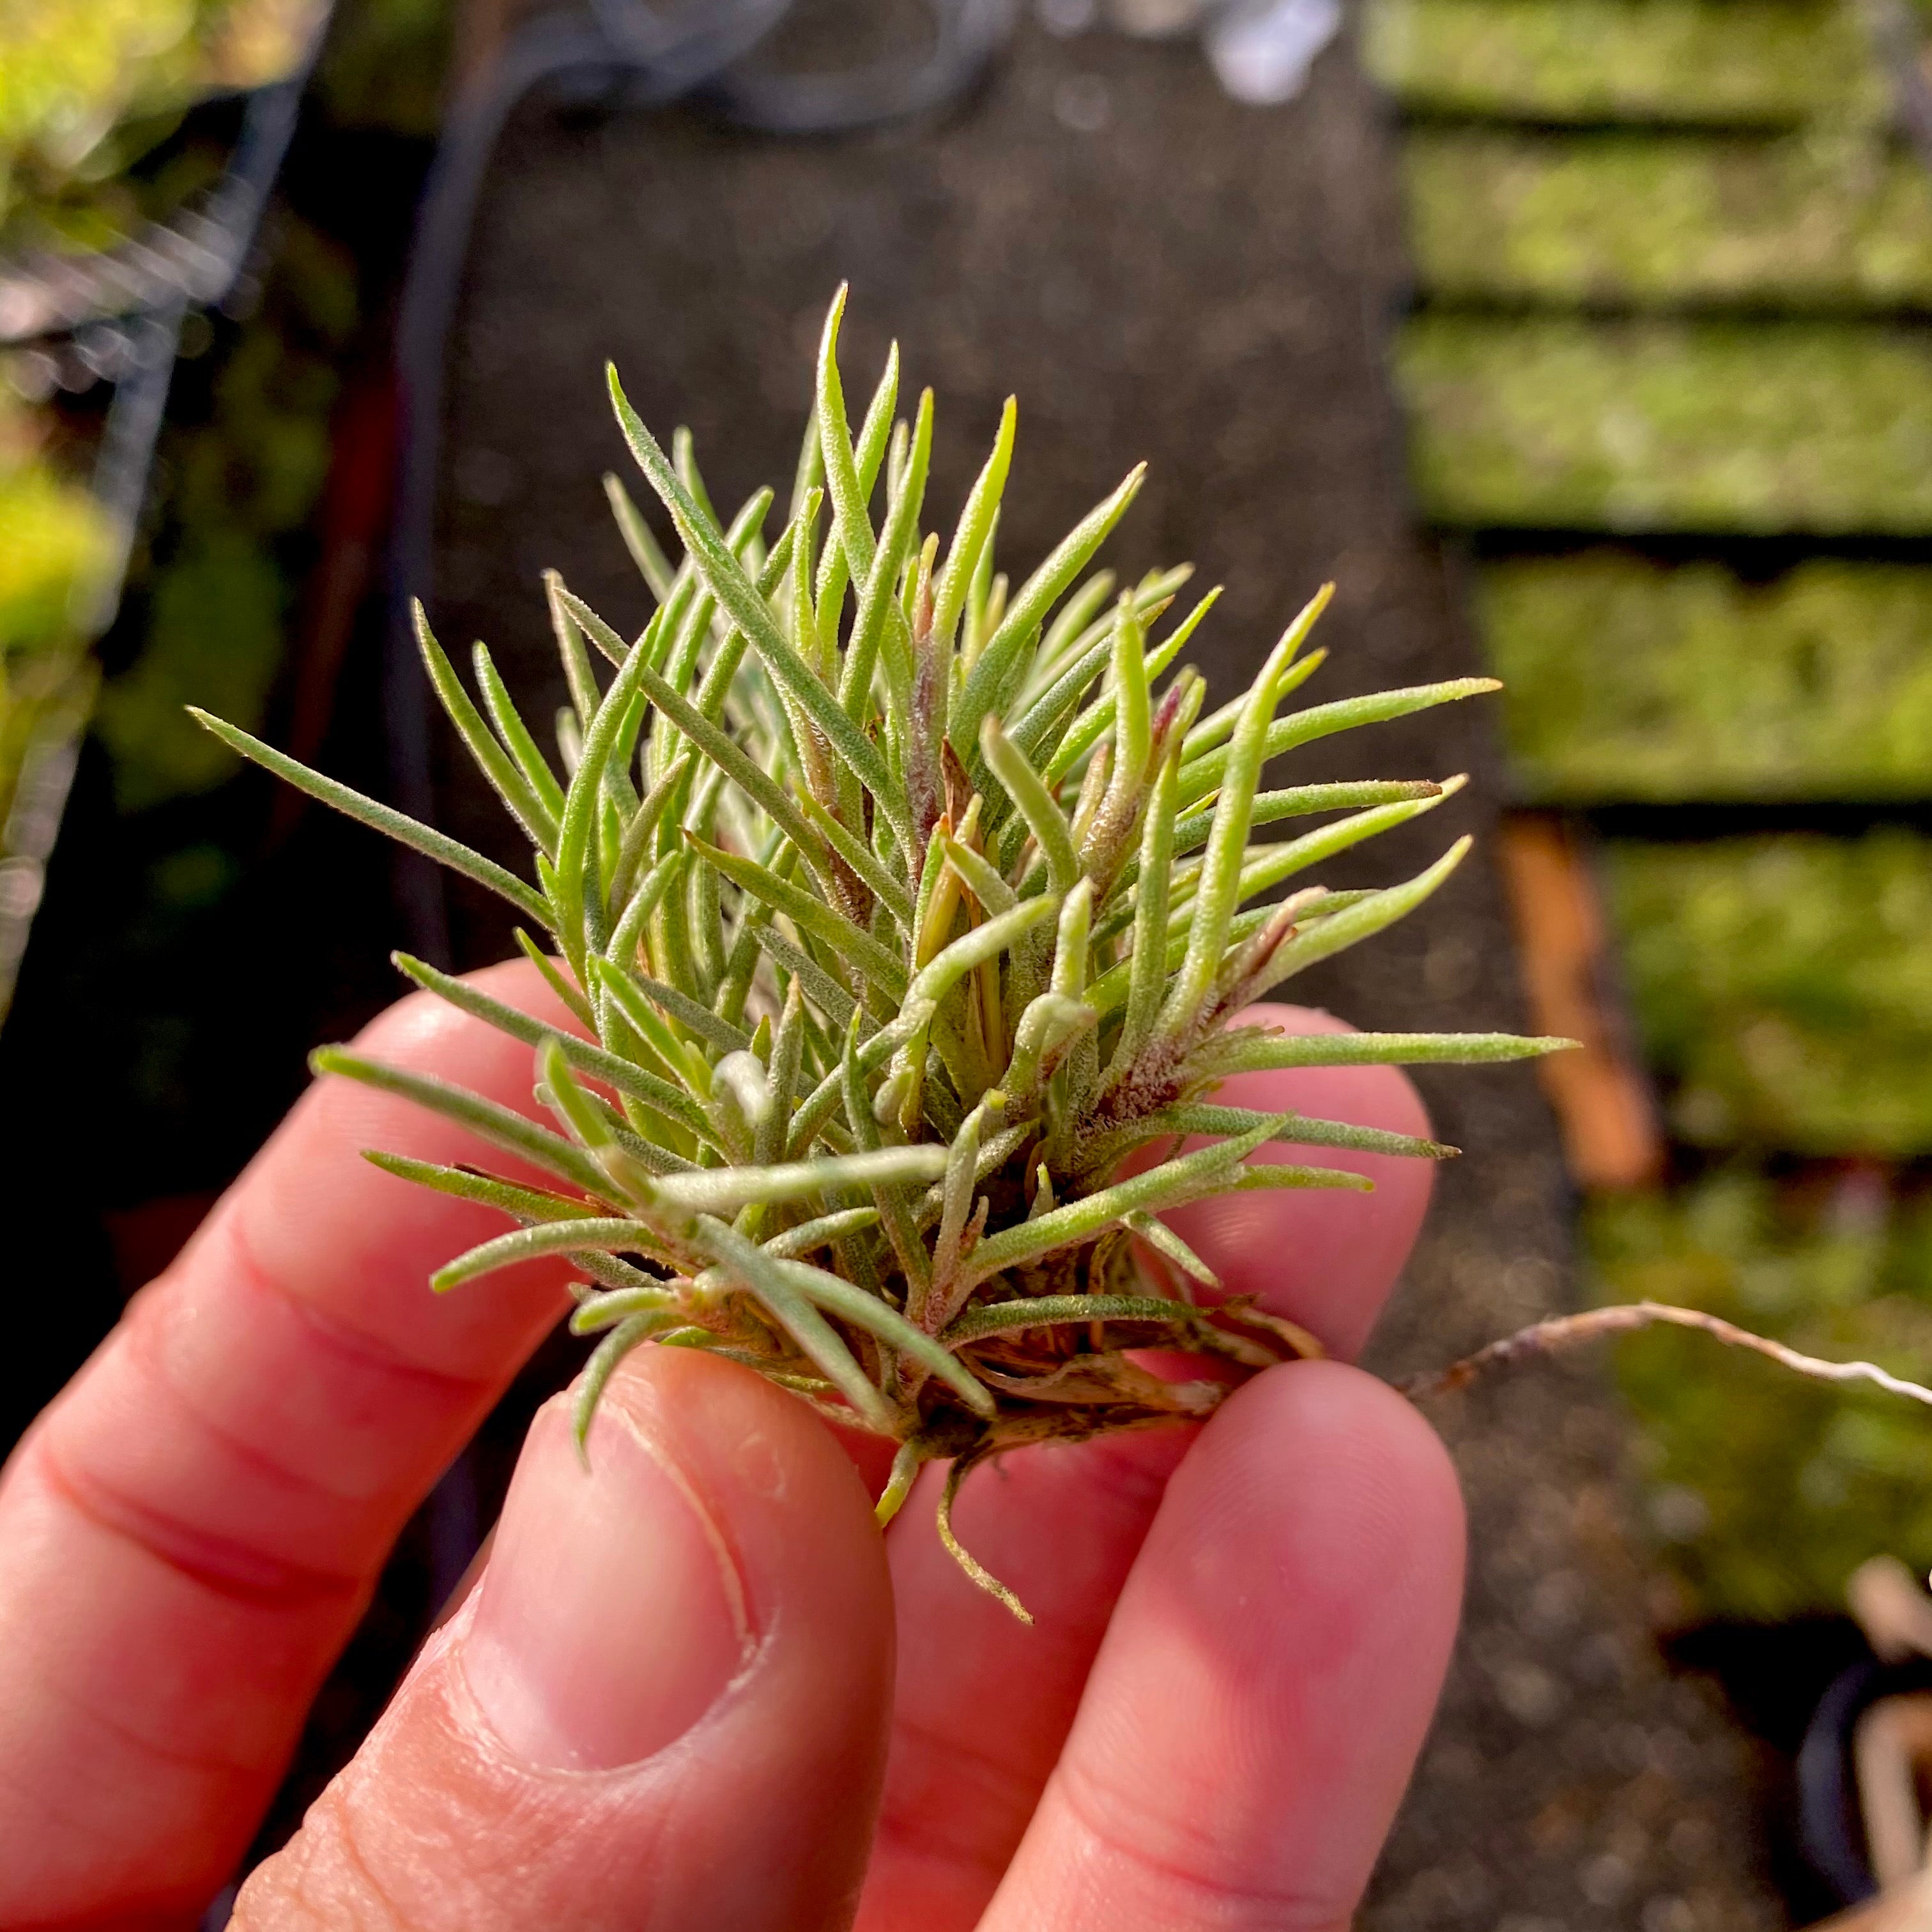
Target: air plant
{"x": 908, "y": 930}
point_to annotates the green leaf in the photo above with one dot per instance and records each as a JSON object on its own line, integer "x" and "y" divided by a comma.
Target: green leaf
{"x": 1201, "y": 775}
{"x": 601, "y": 1236}
{"x": 510, "y": 728}
{"x": 603, "y": 1364}
{"x": 825, "y": 992}
{"x": 878, "y": 614}
{"x": 638, "y": 835}
{"x": 1219, "y": 891}
{"x": 877, "y": 875}
{"x": 1147, "y": 958}
{"x": 579, "y": 1006}
{"x": 738, "y": 596}
{"x": 528, "y": 1203}
{"x": 539, "y": 821}
{"x": 627, "y": 988}
{"x": 1210, "y": 1171}
{"x": 1093, "y": 723}
{"x": 1300, "y": 801}
{"x": 724, "y": 1190}
{"x": 766, "y": 1279}
{"x": 396, "y": 825}
{"x": 583, "y": 799}
{"x": 1104, "y": 1152}
{"x": 833, "y": 929}
{"x": 981, "y": 943}
{"x": 1028, "y": 610}
{"x": 484, "y": 1118}
{"x": 821, "y": 1232}
{"x": 1054, "y": 1311}
{"x": 852, "y": 1304}
{"x": 655, "y": 568}
{"x": 976, "y": 523}
{"x": 1242, "y": 1052}
{"x": 1164, "y": 1242}
{"x": 623, "y": 1074}
{"x": 850, "y": 518}
{"x": 1035, "y": 804}
{"x": 1333, "y": 934}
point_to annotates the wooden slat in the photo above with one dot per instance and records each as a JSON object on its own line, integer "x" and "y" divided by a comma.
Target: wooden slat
{"x": 1603, "y": 1108}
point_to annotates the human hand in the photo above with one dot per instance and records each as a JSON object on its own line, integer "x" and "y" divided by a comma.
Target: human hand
{"x": 674, "y": 1700}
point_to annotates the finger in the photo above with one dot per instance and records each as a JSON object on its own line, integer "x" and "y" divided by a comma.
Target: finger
{"x": 1326, "y": 1258}
{"x": 1266, "y": 1680}
{"x": 983, "y": 1705}
{"x": 665, "y": 1704}
{"x": 189, "y": 1534}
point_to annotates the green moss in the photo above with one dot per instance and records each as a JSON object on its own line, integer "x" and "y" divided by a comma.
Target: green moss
{"x": 1780, "y": 986}
{"x": 1770, "y": 1490}
{"x": 1733, "y": 63}
{"x": 1650, "y": 219}
{"x": 1661, "y": 426}
{"x": 1631, "y": 680}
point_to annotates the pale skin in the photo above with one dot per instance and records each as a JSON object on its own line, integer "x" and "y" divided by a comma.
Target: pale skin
{"x": 696, "y": 1687}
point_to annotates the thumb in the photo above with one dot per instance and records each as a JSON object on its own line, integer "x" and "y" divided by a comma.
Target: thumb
{"x": 664, "y": 1705}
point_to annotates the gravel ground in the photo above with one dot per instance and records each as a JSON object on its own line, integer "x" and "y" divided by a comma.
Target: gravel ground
{"x": 1157, "y": 273}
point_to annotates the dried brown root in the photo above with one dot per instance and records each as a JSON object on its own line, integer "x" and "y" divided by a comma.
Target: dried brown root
{"x": 1552, "y": 1337}
{"x": 1540, "y": 1341}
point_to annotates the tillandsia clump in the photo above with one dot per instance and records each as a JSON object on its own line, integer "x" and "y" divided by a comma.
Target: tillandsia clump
{"x": 908, "y": 927}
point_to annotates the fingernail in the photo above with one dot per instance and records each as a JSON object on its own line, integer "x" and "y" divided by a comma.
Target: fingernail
{"x": 610, "y": 1617}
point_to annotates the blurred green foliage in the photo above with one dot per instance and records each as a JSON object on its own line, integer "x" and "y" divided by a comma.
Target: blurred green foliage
{"x": 51, "y": 539}
{"x": 238, "y": 489}
{"x": 87, "y": 88}
{"x": 85, "y": 84}
{"x": 1629, "y": 680}
{"x": 1730, "y": 426}
{"x": 1739, "y": 63}
{"x": 385, "y": 63}
{"x": 1780, "y": 986}
{"x": 53, "y": 543}
{"x": 1644, "y": 219}
{"x": 1768, "y": 1490}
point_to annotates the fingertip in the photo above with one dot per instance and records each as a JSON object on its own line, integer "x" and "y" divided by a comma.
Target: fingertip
{"x": 1314, "y": 1542}
{"x": 1350, "y": 1473}
{"x": 1328, "y": 1258}
{"x": 1277, "y": 1653}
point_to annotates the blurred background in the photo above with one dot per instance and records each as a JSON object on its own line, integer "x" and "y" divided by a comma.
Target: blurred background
{"x": 1584, "y": 341}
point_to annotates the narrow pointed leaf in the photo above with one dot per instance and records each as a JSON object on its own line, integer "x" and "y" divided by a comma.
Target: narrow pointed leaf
{"x": 396, "y": 825}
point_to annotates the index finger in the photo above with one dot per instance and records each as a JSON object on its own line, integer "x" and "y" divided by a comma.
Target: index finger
{"x": 188, "y": 1535}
